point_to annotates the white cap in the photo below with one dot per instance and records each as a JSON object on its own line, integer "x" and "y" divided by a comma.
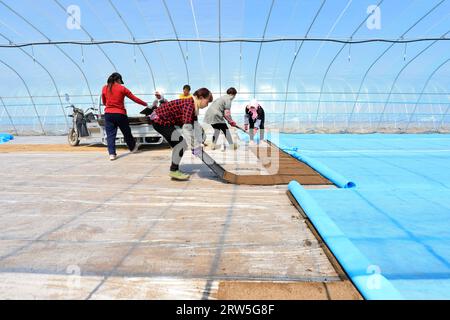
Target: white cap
{"x": 254, "y": 103}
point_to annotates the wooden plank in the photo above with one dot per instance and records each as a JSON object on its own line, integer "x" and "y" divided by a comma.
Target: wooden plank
{"x": 252, "y": 290}
{"x": 213, "y": 165}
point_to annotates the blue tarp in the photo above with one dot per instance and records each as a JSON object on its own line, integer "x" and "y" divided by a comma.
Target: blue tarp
{"x": 5, "y": 137}
{"x": 392, "y": 232}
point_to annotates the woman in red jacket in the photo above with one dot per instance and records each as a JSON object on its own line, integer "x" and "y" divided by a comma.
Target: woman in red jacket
{"x": 113, "y": 96}
{"x": 181, "y": 113}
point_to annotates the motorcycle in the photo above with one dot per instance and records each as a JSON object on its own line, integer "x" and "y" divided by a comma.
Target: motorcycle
{"x": 81, "y": 121}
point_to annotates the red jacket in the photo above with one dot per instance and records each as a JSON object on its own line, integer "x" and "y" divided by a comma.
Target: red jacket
{"x": 114, "y": 100}
{"x": 176, "y": 113}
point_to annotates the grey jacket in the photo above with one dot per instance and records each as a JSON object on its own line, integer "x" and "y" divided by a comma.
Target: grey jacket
{"x": 216, "y": 111}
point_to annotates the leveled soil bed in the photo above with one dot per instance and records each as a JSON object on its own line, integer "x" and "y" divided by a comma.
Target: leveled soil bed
{"x": 285, "y": 170}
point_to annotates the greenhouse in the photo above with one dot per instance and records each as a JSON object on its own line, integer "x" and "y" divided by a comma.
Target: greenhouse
{"x": 342, "y": 104}
{"x": 316, "y": 65}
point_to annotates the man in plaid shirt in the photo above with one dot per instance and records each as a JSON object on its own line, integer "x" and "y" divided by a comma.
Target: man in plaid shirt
{"x": 168, "y": 119}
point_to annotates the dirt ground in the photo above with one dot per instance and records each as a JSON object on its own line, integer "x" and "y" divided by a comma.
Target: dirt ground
{"x": 77, "y": 226}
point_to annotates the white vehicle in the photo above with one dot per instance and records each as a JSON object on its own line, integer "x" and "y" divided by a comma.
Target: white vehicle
{"x": 90, "y": 127}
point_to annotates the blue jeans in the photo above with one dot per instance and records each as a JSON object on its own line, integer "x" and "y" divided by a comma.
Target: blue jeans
{"x": 112, "y": 122}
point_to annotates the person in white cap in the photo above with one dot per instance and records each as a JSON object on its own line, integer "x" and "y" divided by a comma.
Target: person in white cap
{"x": 158, "y": 102}
{"x": 254, "y": 119}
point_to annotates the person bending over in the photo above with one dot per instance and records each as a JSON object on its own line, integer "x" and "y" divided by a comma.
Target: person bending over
{"x": 181, "y": 114}
{"x": 160, "y": 100}
{"x": 218, "y": 112}
{"x": 113, "y": 96}
{"x": 254, "y": 118}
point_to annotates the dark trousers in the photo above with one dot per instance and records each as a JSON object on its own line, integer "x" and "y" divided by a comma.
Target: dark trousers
{"x": 224, "y": 128}
{"x": 175, "y": 140}
{"x": 112, "y": 122}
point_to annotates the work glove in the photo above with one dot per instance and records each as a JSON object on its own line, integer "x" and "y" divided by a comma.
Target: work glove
{"x": 245, "y": 127}
{"x": 153, "y": 116}
{"x": 233, "y": 124}
{"x": 197, "y": 151}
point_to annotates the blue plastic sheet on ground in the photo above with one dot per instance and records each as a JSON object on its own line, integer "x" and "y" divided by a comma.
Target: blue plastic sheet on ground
{"x": 392, "y": 232}
{"x": 5, "y": 137}
{"x": 378, "y": 160}
{"x": 331, "y": 175}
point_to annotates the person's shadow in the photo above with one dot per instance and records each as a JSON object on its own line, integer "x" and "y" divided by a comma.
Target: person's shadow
{"x": 201, "y": 170}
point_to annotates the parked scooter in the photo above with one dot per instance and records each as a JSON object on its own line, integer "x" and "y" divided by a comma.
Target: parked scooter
{"x": 80, "y": 120}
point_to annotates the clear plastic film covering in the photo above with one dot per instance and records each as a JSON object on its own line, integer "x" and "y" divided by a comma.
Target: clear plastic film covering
{"x": 315, "y": 66}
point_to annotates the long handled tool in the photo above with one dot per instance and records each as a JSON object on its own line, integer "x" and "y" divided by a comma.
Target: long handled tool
{"x": 240, "y": 128}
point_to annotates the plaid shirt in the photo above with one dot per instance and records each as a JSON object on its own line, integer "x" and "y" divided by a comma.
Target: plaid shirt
{"x": 176, "y": 113}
